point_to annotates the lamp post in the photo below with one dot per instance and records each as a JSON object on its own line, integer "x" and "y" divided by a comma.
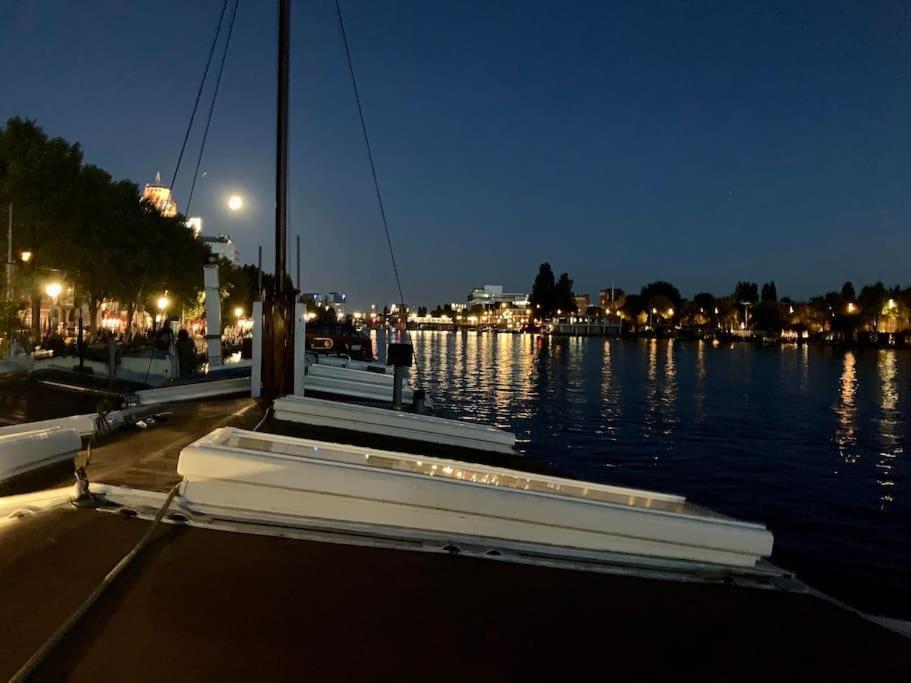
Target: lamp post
{"x": 52, "y": 289}
{"x": 163, "y": 303}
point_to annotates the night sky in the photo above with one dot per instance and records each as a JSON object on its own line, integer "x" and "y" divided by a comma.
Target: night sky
{"x": 700, "y": 142}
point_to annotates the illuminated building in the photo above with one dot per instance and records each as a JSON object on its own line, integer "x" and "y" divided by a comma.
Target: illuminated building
{"x": 583, "y": 302}
{"x": 611, "y": 299}
{"x": 195, "y": 224}
{"x": 159, "y": 196}
{"x": 493, "y": 295}
{"x": 335, "y": 300}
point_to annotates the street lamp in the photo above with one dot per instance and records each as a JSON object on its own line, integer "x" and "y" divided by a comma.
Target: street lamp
{"x": 235, "y": 202}
{"x": 163, "y": 303}
{"x": 52, "y": 289}
{"x": 238, "y": 312}
{"x": 25, "y": 256}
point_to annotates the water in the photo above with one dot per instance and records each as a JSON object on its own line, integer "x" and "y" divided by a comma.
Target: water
{"x": 811, "y": 441}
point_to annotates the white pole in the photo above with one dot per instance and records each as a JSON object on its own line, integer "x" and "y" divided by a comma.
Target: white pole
{"x": 213, "y": 315}
{"x": 300, "y": 347}
{"x": 256, "y": 369}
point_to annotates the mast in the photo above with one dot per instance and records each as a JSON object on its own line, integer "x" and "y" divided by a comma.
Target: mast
{"x": 278, "y": 332}
{"x": 281, "y": 147}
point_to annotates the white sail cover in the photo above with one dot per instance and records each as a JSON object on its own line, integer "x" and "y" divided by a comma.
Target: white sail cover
{"x": 266, "y": 474}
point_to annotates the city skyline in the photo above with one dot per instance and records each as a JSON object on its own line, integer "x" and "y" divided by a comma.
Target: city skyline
{"x": 626, "y": 144}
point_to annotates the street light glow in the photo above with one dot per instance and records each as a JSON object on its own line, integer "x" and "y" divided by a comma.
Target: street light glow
{"x": 235, "y": 202}
{"x": 26, "y": 256}
{"x": 53, "y": 289}
{"x": 163, "y": 302}
{"x": 238, "y": 311}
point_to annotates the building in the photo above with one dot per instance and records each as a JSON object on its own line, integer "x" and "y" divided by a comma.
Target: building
{"x": 583, "y": 302}
{"x": 491, "y": 296}
{"x": 222, "y": 246}
{"x": 195, "y": 224}
{"x": 611, "y": 299}
{"x": 159, "y": 196}
{"x": 335, "y": 300}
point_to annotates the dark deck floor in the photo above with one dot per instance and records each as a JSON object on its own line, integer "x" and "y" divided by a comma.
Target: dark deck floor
{"x": 211, "y": 605}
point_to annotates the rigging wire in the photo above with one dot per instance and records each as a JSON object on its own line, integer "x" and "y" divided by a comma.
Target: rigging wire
{"x": 376, "y": 182}
{"x": 205, "y": 135}
{"x": 202, "y": 84}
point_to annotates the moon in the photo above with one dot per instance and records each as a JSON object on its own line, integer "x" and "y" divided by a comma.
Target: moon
{"x": 235, "y": 202}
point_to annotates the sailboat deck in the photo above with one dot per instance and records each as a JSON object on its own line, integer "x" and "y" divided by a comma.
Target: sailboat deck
{"x": 203, "y": 604}
{"x": 212, "y": 605}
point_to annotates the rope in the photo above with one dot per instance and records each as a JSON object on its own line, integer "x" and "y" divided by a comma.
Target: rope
{"x": 376, "y": 182}
{"x": 263, "y": 419}
{"x": 205, "y": 135}
{"x": 57, "y": 636}
{"x": 199, "y": 94}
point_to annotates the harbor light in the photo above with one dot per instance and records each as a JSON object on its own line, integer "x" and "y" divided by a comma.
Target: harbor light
{"x": 25, "y": 256}
{"x": 53, "y": 289}
{"x": 235, "y": 202}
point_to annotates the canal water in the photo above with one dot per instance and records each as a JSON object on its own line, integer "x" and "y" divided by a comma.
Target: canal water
{"x": 812, "y": 441}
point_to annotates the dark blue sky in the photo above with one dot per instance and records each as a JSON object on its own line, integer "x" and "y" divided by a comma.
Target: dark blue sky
{"x": 700, "y": 142}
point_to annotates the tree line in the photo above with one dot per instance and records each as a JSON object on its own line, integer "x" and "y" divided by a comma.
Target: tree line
{"x": 842, "y": 310}
{"x": 88, "y": 229}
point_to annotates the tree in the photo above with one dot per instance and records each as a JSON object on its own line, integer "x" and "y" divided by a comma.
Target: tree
{"x": 660, "y": 288}
{"x": 422, "y": 311}
{"x": 237, "y": 289}
{"x": 99, "y": 214}
{"x": 563, "y": 297}
{"x": 633, "y": 305}
{"x": 769, "y": 292}
{"x": 746, "y": 292}
{"x": 542, "y": 292}
{"x": 766, "y": 316}
{"x": 76, "y": 219}
{"x": 871, "y": 300}
{"x": 847, "y": 291}
{"x": 38, "y": 176}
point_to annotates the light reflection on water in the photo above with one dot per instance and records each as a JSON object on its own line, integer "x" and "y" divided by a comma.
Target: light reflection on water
{"x": 845, "y": 434}
{"x": 810, "y": 441}
{"x": 890, "y": 425}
